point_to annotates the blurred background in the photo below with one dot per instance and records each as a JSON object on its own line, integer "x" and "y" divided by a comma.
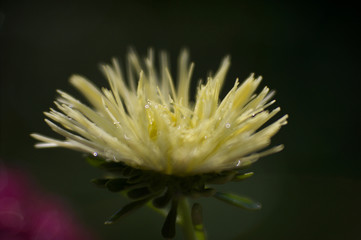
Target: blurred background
{"x": 308, "y": 52}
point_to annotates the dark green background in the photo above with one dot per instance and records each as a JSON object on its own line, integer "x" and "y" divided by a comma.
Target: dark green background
{"x": 308, "y": 52}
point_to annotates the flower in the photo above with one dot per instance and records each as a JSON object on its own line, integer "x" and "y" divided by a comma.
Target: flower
{"x": 27, "y": 212}
{"x": 157, "y": 145}
{"x": 154, "y": 126}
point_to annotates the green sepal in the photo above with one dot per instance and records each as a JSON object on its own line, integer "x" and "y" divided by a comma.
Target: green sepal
{"x": 136, "y": 179}
{"x": 139, "y": 193}
{"x": 113, "y": 167}
{"x": 240, "y": 177}
{"x": 126, "y": 210}
{"x": 162, "y": 201}
{"x": 157, "y": 183}
{"x": 206, "y": 192}
{"x": 196, "y": 212}
{"x": 238, "y": 201}
{"x": 197, "y": 221}
{"x": 130, "y": 172}
{"x": 103, "y": 164}
{"x": 221, "y": 178}
{"x": 117, "y": 184}
{"x": 169, "y": 226}
{"x": 95, "y": 161}
{"x": 100, "y": 182}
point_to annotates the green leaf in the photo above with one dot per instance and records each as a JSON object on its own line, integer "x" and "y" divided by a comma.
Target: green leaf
{"x": 241, "y": 177}
{"x": 238, "y": 201}
{"x": 126, "y": 210}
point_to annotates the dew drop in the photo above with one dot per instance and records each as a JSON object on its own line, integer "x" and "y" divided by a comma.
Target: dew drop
{"x": 117, "y": 124}
{"x": 228, "y": 125}
{"x": 146, "y": 106}
{"x": 95, "y": 154}
{"x": 126, "y": 137}
{"x": 253, "y": 115}
{"x": 238, "y": 163}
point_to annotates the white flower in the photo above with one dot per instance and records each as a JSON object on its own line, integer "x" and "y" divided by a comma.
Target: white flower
{"x": 154, "y": 125}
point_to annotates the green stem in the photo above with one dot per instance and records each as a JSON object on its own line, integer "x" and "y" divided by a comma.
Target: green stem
{"x": 186, "y": 219}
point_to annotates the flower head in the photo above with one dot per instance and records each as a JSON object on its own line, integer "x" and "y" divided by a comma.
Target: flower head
{"x": 153, "y": 125}
{"x": 159, "y": 146}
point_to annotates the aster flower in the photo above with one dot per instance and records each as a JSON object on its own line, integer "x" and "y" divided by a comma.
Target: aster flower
{"x": 164, "y": 146}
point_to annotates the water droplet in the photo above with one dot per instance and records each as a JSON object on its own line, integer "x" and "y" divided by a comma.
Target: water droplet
{"x": 126, "y": 137}
{"x": 205, "y": 137}
{"x": 238, "y": 163}
{"x": 228, "y": 125}
{"x": 117, "y": 124}
{"x": 146, "y": 106}
{"x": 253, "y": 114}
{"x": 95, "y": 154}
